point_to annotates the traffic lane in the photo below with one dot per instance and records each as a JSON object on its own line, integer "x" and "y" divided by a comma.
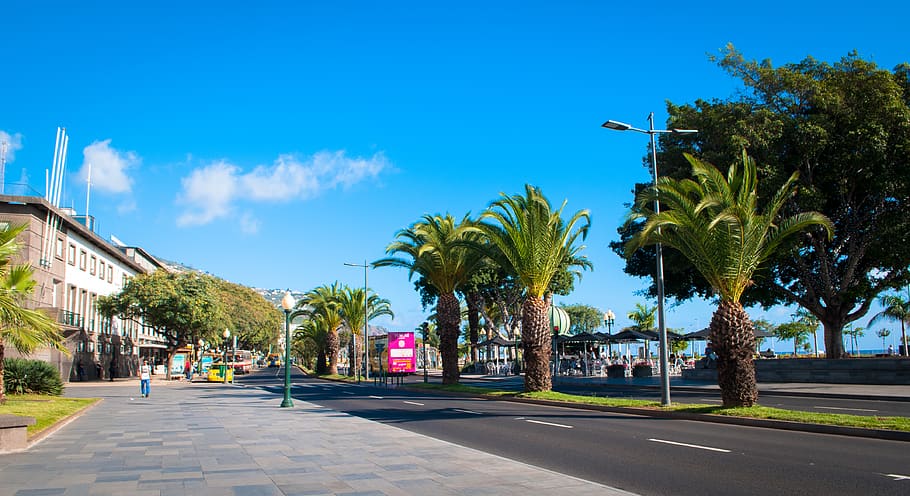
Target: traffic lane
{"x": 850, "y": 406}
{"x": 646, "y": 455}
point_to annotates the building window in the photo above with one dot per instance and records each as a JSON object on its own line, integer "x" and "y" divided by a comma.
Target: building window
{"x": 59, "y": 248}
{"x": 101, "y": 268}
{"x": 72, "y": 255}
{"x": 93, "y": 266}
{"x": 91, "y": 346}
{"x": 125, "y": 279}
{"x": 110, "y": 274}
{"x": 83, "y": 256}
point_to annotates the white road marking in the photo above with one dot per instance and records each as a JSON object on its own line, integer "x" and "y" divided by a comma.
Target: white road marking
{"x": 547, "y": 423}
{"x": 347, "y": 392}
{"x": 898, "y": 477}
{"x": 376, "y": 397}
{"x": 467, "y": 411}
{"x": 413, "y": 403}
{"x": 849, "y": 409}
{"x": 690, "y": 445}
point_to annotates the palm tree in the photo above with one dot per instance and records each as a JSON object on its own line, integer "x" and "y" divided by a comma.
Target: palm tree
{"x": 895, "y": 308}
{"x": 352, "y": 311}
{"x": 855, "y": 333}
{"x": 310, "y": 342}
{"x": 435, "y": 248}
{"x": 323, "y": 302}
{"x": 714, "y": 221}
{"x": 883, "y": 333}
{"x": 644, "y": 318}
{"x": 24, "y": 329}
{"x": 535, "y": 243}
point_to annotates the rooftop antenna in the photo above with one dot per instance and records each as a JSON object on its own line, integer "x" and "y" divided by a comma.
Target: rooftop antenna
{"x": 3, "y": 146}
{"x": 88, "y": 191}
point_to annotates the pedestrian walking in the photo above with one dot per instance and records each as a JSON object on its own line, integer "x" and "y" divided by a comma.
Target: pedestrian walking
{"x": 112, "y": 369}
{"x": 80, "y": 371}
{"x": 145, "y": 379}
{"x": 188, "y": 370}
{"x": 99, "y": 371}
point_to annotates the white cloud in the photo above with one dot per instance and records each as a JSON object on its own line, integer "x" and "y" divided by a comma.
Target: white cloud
{"x": 210, "y": 191}
{"x": 13, "y": 143}
{"x": 249, "y": 224}
{"x": 109, "y": 167}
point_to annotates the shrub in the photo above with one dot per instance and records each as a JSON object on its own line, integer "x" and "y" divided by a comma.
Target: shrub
{"x": 21, "y": 376}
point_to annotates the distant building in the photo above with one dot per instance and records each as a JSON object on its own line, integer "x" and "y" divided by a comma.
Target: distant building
{"x": 73, "y": 266}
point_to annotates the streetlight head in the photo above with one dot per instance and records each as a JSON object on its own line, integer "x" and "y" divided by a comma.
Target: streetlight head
{"x": 226, "y": 333}
{"x": 684, "y": 131}
{"x": 287, "y": 303}
{"x": 611, "y": 315}
{"x": 616, "y": 125}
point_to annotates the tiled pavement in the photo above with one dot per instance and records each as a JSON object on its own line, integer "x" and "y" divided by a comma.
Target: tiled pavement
{"x": 212, "y": 439}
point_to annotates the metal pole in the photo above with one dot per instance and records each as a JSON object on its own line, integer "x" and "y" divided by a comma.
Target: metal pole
{"x": 425, "y": 332}
{"x": 661, "y": 325}
{"x": 366, "y": 322}
{"x": 287, "y": 361}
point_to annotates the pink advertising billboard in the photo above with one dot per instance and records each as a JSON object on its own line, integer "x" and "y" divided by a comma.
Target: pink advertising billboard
{"x": 402, "y": 357}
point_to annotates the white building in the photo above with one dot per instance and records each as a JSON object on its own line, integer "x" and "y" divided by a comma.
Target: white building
{"x": 73, "y": 267}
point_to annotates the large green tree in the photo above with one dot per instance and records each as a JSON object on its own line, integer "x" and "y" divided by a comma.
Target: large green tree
{"x": 254, "y": 320}
{"x": 715, "y": 222}
{"x": 24, "y": 329}
{"x": 352, "y": 312}
{"x": 895, "y": 308}
{"x": 181, "y": 307}
{"x": 584, "y": 318}
{"x": 435, "y": 248}
{"x": 324, "y": 304}
{"x": 535, "y": 243}
{"x": 846, "y": 128}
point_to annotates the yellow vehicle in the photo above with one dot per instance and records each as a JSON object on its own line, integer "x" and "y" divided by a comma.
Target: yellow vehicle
{"x": 274, "y": 360}
{"x": 216, "y": 373}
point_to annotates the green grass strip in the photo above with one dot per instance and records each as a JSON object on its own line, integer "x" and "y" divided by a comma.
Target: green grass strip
{"x": 47, "y": 410}
{"x": 757, "y": 412}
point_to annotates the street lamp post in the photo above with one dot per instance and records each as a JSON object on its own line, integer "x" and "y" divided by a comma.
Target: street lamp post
{"x": 609, "y": 318}
{"x": 661, "y": 324}
{"x": 224, "y": 367}
{"x": 426, "y": 330}
{"x": 366, "y": 320}
{"x": 287, "y": 303}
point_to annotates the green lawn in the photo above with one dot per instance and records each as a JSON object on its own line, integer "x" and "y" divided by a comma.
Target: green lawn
{"x": 761, "y": 412}
{"x": 47, "y": 410}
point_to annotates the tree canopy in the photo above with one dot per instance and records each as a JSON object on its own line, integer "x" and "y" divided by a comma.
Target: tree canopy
{"x": 584, "y": 318}
{"x": 845, "y": 127}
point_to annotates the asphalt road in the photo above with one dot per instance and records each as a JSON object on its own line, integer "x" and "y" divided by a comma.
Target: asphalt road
{"x": 644, "y": 455}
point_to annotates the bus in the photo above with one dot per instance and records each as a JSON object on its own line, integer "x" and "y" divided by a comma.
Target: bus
{"x": 242, "y": 361}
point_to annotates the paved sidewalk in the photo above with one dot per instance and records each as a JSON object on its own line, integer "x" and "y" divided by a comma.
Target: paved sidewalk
{"x": 214, "y": 439}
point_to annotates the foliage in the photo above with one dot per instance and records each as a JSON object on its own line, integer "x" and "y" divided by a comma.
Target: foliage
{"x": 23, "y": 328}
{"x": 715, "y": 222}
{"x": 22, "y": 376}
{"x": 643, "y": 316}
{"x": 534, "y": 243}
{"x": 846, "y": 128}
{"x": 854, "y": 333}
{"x": 351, "y": 309}
{"x": 895, "y": 307}
{"x": 254, "y": 320}
{"x": 797, "y": 330}
{"x": 180, "y": 307}
{"x": 438, "y": 248}
{"x": 584, "y": 318}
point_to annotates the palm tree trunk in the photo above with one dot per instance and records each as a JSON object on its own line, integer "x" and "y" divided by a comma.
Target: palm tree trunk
{"x": 733, "y": 340}
{"x": 535, "y": 336}
{"x": 331, "y": 349}
{"x": 448, "y": 314}
{"x": 2, "y": 385}
{"x": 473, "y": 301}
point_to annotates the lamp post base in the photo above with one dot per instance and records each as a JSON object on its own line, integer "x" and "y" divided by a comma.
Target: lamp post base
{"x": 287, "y": 403}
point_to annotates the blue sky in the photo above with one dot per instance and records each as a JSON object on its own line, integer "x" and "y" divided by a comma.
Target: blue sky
{"x": 271, "y": 142}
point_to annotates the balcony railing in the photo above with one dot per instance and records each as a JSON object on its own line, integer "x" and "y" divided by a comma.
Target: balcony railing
{"x": 70, "y": 318}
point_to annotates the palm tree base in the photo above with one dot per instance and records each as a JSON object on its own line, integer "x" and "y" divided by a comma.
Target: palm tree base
{"x": 733, "y": 339}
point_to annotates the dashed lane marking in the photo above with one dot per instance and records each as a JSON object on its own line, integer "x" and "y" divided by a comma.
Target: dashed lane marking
{"x": 689, "y": 445}
{"x": 413, "y": 403}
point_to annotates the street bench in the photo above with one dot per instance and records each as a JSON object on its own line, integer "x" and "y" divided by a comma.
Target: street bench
{"x": 14, "y": 432}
